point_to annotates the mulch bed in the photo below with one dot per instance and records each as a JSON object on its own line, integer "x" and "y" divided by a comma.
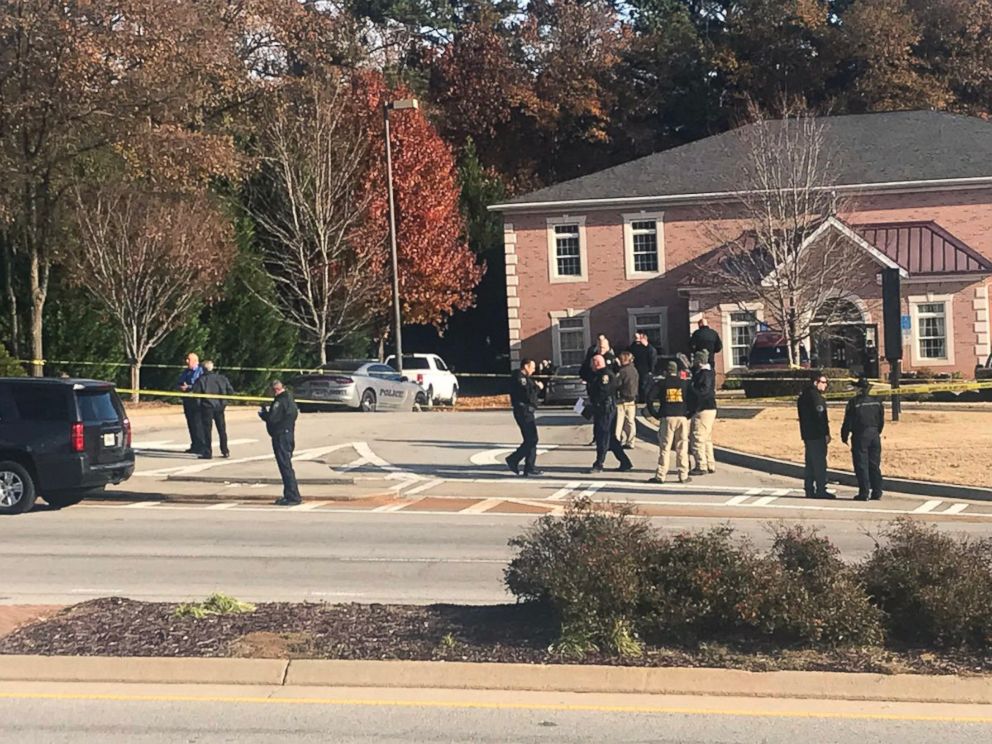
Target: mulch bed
{"x": 495, "y": 633}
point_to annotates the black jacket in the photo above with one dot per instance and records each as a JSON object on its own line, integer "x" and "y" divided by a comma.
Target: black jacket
{"x": 708, "y": 339}
{"x": 280, "y": 416}
{"x": 602, "y": 389}
{"x": 813, "y": 421}
{"x": 586, "y": 373}
{"x": 213, "y": 383}
{"x": 645, "y": 357}
{"x": 863, "y": 413}
{"x": 702, "y": 391}
{"x": 524, "y": 395}
{"x": 629, "y": 382}
{"x": 673, "y": 393}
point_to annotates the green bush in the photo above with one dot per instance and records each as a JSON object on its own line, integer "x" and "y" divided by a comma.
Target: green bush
{"x": 587, "y": 567}
{"x": 700, "y": 584}
{"x": 770, "y": 383}
{"x": 822, "y": 600}
{"x": 934, "y": 589}
{"x": 9, "y": 367}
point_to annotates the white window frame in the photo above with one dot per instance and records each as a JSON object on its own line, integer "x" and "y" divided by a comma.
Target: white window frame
{"x": 628, "y": 242}
{"x": 553, "y": 276}
{"x": 914, "y": 308}
{"x": 557, "y": 316}
{"x": 725, "y": 311}
{"x": 661, "y": 312}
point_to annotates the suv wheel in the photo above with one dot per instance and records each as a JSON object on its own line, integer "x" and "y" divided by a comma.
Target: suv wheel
{"x": 454, "y": 396}
{"x": 17, "y": 493}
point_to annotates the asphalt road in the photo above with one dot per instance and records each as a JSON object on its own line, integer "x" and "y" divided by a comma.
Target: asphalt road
{"x": 178, "y": 553}
{"x": 439, "y": 534}
{"x": 155, "y": 715}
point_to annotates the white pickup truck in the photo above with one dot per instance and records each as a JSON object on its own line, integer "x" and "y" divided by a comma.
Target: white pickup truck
{"x": 433, "y": 375}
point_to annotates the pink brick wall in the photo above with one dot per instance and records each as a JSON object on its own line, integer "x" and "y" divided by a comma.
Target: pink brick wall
{"x": 692, "y": 231}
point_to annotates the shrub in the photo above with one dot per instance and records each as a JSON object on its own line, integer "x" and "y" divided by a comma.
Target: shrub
{"x": 933, "y": 589}
{"x": 9, "y": 367}
{"x": 215, "y": 604}
{"x": 587, "y": 567}
{"x": 768, "y": 383}
{"x": 700, "y": 584}
{"x": 822, "y": 599}
{"x": 711, "y": 584}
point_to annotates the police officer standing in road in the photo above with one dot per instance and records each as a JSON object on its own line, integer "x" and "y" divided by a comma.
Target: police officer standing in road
{"x": 864, "y": 420}
{"x": 280, "y": 422}
{"x": 702, "y": 413}
{"x": 191, "y": 409}
{"x": 212, "y": 409}
{"x": 525, "y": 397}
{"x": 673, "y": 425}
{"x": 602, "y": 389}
{"x": 814, "y": 428}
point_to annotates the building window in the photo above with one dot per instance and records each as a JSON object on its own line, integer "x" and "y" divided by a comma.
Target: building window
{"x": 645, "y": 235}
{"x": 742, "y": 328}
{"x": 568, "y": 257}
{"x": 643, "y": 239}
{"x": 651, "y": 321}
{"x": 569, "y": 336}
{"x": 932, "y": 330}
{"x": 932, "y": 318}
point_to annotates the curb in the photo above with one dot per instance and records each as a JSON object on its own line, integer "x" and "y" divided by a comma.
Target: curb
{"x": 213, "y": 498}
{"x": 507, "y": 677}
{"x": 649, "y": 432}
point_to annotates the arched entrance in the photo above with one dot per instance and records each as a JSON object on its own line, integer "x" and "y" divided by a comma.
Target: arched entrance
{"x": 843, "y": 339}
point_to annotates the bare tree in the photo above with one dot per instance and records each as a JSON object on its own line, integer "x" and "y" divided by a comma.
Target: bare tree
{"x": 149, "y": 260}
{"x": 307, "y": 201}
{"x": 794, "y": 256}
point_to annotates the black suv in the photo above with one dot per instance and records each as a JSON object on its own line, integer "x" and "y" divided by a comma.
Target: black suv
{"x": 59, "y": 439}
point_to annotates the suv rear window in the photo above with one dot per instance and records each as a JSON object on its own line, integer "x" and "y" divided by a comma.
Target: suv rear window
{"x": 97, "y": 406}
{"x": 41, "y": 402}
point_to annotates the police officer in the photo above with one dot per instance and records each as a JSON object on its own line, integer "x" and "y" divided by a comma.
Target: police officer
{"x": 705, "y": 338}
{"x": 280, "y": 422}
{"x": 212, "y": 409}
{"x": 191, "y": 407}
{"x": 524, "y": 397}
{"x": 645, "y": 357}
{"x": 602, "y": 389}
{"x": 814, "y": 428}
{"x": 864, "y": 420}
{"x": 673, "y": 425}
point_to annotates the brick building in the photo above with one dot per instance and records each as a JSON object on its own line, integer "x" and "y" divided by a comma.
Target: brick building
{"x": 621, "y": 250}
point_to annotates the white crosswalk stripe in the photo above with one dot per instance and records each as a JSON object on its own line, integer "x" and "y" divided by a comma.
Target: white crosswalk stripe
{"x": 927, "y": 507}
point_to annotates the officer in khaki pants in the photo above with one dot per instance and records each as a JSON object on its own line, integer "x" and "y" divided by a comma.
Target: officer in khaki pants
{"x": 629, "y": 381}
{"x": 673, "y": 426}
{"x": 702, "y": 407}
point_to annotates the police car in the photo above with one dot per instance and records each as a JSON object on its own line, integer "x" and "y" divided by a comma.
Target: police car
{"x": 359, "y": 384}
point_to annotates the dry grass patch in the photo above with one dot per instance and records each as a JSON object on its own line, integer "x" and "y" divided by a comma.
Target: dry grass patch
{"x": 944, "y": 446}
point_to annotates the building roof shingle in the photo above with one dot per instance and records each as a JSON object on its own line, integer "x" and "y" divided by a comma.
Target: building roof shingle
{"x": 882, "y": 148}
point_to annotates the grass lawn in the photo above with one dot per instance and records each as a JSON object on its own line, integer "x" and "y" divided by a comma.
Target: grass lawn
{"x": 946, "y": 446}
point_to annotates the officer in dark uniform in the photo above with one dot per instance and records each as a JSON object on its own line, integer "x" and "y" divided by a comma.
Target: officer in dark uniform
{"x": 864, "y": 420}
{"x": 814, "y": 428}
{"x": 602, "y": 389}
{"x": 524, "y": 397}
{"x": 280, "y": 422}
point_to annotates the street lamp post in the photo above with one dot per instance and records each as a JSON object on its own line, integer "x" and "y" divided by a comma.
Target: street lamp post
{"x": 407, "y": 103}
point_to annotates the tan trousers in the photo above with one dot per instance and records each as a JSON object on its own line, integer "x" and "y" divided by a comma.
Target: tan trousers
{"x": 701, "y": 440}
{"x": 627, "y": 422}
{"x": 673, "y": 433}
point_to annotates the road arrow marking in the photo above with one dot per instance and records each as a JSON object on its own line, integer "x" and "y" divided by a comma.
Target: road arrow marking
{"x": 496, "y": 455}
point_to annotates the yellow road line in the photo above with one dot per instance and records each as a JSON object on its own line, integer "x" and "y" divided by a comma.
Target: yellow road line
{"x": 466, "y": 705}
